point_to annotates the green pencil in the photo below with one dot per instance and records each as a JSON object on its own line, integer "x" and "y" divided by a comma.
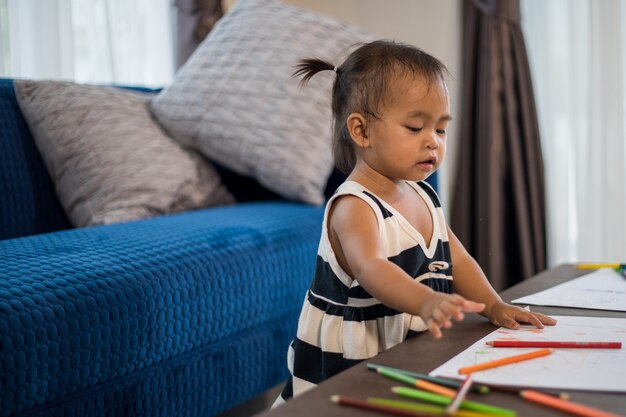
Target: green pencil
{"x": 441, "y": 400}
{"x": 482, "y": 389}
{"x": 405, "y": 405}
{"x": 398, "y": 376}
{"x": 421, "y": 408}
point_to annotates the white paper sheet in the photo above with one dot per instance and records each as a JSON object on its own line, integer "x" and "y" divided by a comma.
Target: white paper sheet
{"x": 604, "y": 289}
{"x": 565, "y": 369}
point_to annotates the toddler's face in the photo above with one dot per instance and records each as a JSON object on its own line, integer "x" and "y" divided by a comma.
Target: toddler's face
{"x": 409, "y": 140}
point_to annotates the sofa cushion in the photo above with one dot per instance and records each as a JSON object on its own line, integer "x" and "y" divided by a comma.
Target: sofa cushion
{"x": 236, "y": 102}
{"x": 147, "y": 315}
{"x": 108, "y": 159}
{"x": 28, "y": 204}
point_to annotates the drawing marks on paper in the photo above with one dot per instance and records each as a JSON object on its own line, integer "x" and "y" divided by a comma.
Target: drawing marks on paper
{"x": 574, "y": 369}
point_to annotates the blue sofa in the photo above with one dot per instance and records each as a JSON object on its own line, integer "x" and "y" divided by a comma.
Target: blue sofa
{"x": 181, "y": 315}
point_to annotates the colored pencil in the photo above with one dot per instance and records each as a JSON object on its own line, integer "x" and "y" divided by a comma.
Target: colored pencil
{"x": 516, "y": 390}
{"x": 505, "y": 361}
{"x": 602, "y": 265}
{"x": 620, "y": 268}
{"x": 450, "y": 383}
{"x": 568, "y": 406}
{"x": 437, "y": 389}
{"x": 441, "y": 400}
{"x": 366, "y": 405}
{"x": 460, "y": 395}
{"x": 411, "y": 405}
{"x": 554, "y": 344}
{"x": 418, "y": 383}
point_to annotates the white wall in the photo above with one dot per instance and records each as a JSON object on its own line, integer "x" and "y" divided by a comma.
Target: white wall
{"x": 432, "y": 25}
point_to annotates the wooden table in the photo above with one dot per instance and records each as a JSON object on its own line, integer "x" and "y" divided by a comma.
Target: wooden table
{"x": 424, "y": 353}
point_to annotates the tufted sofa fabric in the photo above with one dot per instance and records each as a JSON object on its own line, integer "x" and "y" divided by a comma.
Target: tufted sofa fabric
{"x": 178, "y": 315}
{"x": 181, "y": 315}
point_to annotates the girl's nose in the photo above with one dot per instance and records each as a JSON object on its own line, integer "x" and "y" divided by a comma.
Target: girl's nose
{"x": 431, "y": 141}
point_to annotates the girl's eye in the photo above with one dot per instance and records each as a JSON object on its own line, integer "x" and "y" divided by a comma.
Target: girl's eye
{"x": 414, "y": 129}
{"x": 441, "y": 131}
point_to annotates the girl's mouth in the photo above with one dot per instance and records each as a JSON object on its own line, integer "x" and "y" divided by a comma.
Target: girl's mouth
{"x": 427, "y": 164}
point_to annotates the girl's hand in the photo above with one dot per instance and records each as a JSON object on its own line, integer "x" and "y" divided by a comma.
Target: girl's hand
{"x": 438, "y": 310}
{"x": 509, "y": 316}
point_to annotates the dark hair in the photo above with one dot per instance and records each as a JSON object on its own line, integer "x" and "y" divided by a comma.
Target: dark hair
{"x": 362, "y": 82}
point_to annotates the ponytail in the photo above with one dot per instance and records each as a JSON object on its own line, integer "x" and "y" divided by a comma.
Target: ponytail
{"x": 308, "y": 67}
{"x": 343, "y": 148}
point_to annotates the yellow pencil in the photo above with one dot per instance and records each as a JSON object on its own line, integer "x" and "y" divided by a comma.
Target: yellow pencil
{"x": 602, "y": 265}
{"x": 505, "y": 361}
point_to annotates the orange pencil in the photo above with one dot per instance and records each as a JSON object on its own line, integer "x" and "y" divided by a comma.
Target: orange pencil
{"x": 505, "y": 361}
{"x": 418, "y": 383}
{"x": 437, "y": 389}
{"x": 568, "y": 406}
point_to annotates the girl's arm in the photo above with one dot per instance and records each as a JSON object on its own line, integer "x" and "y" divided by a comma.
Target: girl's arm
{"x": 470, "y": 281}
{"x": 354, "y": 234}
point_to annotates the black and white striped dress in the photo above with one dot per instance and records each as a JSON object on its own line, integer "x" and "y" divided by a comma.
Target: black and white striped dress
{"x": 340, "y": 323}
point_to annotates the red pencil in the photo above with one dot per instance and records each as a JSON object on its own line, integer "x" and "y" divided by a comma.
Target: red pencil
{"x": 552, "y": 344}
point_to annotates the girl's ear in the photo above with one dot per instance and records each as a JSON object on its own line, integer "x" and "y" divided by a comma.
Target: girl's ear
{"x": 357, "y": 127}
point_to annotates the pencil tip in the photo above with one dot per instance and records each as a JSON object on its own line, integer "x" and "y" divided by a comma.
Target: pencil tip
{"x": 490, "y": 343}
{"x": 334, "y": 398}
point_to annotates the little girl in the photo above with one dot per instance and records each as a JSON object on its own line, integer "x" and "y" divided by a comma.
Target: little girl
{"x": 384, "y": 264}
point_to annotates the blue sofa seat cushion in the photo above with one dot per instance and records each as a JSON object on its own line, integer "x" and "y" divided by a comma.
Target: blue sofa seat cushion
{"x": 82, "y": 307}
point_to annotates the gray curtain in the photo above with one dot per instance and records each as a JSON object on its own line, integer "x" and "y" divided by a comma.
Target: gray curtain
{"x": 498, "y": 208}
{"x": 194, "y": 21}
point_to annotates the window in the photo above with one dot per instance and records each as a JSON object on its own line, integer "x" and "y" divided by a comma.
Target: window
{"x": 577, "y": 52}
{"x": 100, "y": 41}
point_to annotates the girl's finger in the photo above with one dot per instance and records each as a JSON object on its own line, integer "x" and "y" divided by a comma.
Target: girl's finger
{"x": 442, "y": 319}
{"x": 545, "y": 319}
{"x": 451, "y": 309}
{"x": 434, "y": 329}
{"x": 471, "y": 306}
{"x": 467, "y": 305}
{"x": 459, "y": 316}
{"x": 509, "y": 323}
{"x": 455, "y": 312}
{"x": 531, "y": 319}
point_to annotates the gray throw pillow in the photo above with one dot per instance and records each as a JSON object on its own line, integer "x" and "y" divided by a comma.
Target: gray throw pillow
{"x": 109, "y": 160}
{"x": 235, "y": 100}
